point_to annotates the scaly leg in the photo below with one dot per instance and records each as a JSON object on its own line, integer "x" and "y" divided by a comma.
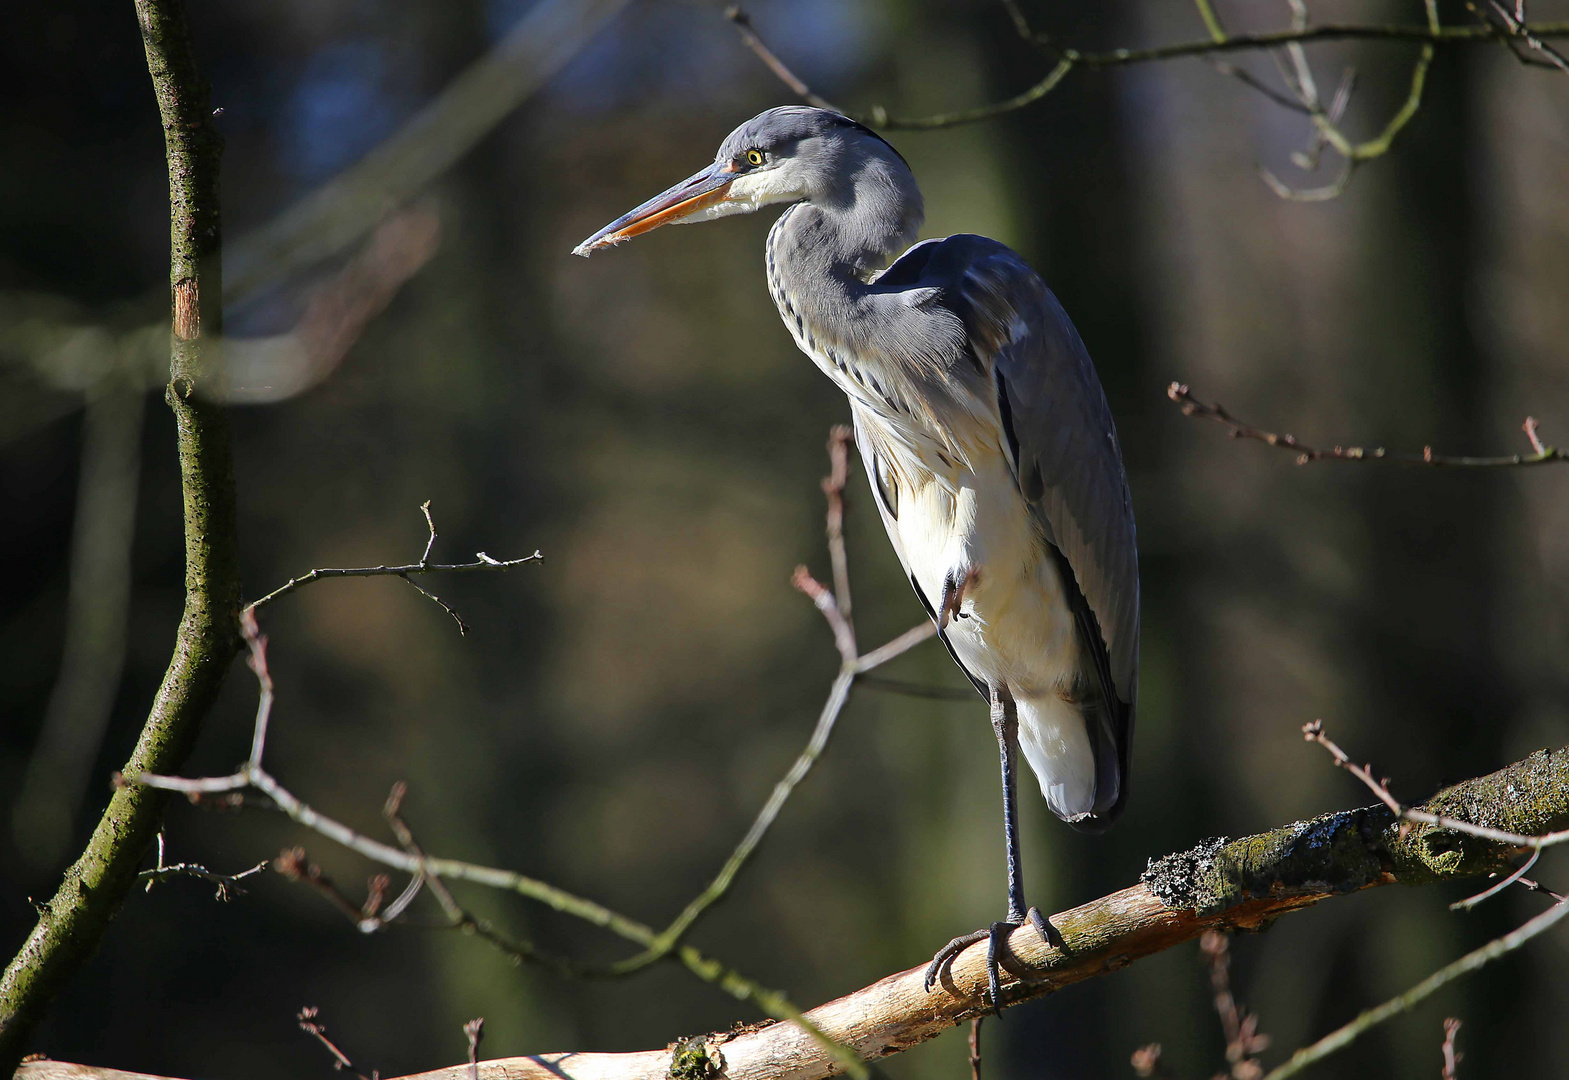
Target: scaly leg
{"x": 1005, "y": 723}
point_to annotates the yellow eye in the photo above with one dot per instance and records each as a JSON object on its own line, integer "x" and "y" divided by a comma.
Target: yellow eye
{"x": 754, "y": 157}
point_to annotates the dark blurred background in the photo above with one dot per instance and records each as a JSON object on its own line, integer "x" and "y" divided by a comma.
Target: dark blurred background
{"x": 618, "y": 713}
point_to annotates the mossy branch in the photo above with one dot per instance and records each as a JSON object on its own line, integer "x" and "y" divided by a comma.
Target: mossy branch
{"x": 1221, "y": 884}
{"x": 73, "y": 922}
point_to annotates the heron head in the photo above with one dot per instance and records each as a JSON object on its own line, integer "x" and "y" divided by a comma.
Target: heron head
{"x": 789, "y": 154}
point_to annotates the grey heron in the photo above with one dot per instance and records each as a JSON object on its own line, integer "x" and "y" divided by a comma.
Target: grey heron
{"x": 987, "y": 439}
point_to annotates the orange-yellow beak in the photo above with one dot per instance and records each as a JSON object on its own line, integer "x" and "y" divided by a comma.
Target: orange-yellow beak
{"x": 691, "y": 196}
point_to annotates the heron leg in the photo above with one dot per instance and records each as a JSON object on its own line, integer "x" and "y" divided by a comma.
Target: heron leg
{"x": 1005, "y": 724}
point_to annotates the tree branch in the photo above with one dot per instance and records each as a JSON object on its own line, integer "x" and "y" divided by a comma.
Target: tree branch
{"x": 1192, "y": 406}
{"x": 75, "y": 919}
{"x": 1221, "y": 884}
{"x": 482, "y": 563}
{"x": 1218, "y": 43}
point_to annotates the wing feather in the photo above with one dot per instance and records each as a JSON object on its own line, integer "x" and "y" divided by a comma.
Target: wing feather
{"x": 1066, "y": 457}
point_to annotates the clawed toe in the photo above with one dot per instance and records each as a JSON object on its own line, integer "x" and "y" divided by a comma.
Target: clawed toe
{"x": 1049, "y": 933}
{"x": 948, "y": 952}
{"x": 996, "y": 938}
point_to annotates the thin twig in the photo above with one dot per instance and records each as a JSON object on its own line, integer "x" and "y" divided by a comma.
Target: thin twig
{"x": 1314, "y": 732}
{"x": 834, "y": 604}
{"x": 918, "y": 690}
{"x": 1069, "y": 58}
{"x": 463, "y": 627}
{"x": 743, "y": 26}
{"x": 975, "y": 1047}
{"x": 1240, "y": 1027}
{"x": 1452, "y": 1056}
{"x": 430, "y": 523}
{"x": 1192, "y": 406}
{"x": 340, "y": 1061}
{"x": 1536, "y": 886}
{"x": 474, "y": 1031}
{"x": 1147, "y": 1064}
{"x": 293, "y": 863}
{"x": 1251, "y": 81}
{"x": 256, "y": 660}
{"x": 482, "y": 563}
{"x": 1516, "y": 28}
{"x": 1471, "y": 901}
{"x": 227, "y": 883}
{"x": 898, "y": 646}
{"x": 839, "y": 439}
{"x": 1343, "y": 1037}
{"x": 1217, "y": 32}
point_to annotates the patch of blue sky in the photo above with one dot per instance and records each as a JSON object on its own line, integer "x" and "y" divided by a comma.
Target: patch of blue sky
{"x": 690, "y": 50}
{"x": 342, "y": 106}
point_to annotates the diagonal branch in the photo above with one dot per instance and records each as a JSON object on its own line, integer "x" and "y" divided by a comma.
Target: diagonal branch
{"x": 1221, "y": 884}
{"x": 1343, "y": 1037}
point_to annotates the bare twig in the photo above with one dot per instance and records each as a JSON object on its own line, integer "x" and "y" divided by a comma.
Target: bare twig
{"x": 743, "y": 26}
{"x": 839, "y": 439}
{"x": 1535, "y": 886}
{"x": 1487, "y": 894}
{"x": 413, "y": 861}
{"x": 227, "y": 883}
{"x": 918, "y": 690}
{"x": 340, "y": 1061}
{"x": 293, "y": 864}
{"x": 1314, "y": 732}
{"x": 834, "y": 606}
{"x": 1243, "y": 1041}
{"x": 482, "y": 563}
{"x": 1515, "y": 26}
{"x": 430, "y": 523}
{"x": 1147, "y": 1064}
{"x": 474, "y": 1031}
{"x": 1343, "y": 1037}
{"x": 1452, "y": 1056}
{"x": 975, "y": 1047}
{"x": 1192, "y": 406}
{"x": 1430, "y": 36}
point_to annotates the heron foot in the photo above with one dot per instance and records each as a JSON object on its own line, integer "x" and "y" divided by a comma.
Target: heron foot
{"x": 996, "y": 938}
{"x": 953, "y": 590}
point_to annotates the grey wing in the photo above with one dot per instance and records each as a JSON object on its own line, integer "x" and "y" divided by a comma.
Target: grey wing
{"x": 1068, "y": 465}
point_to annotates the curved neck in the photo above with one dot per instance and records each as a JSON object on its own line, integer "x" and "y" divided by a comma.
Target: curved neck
{"x": 854, "y": 228}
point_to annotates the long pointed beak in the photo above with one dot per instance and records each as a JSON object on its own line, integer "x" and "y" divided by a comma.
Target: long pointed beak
{"x": 692, "y": 195}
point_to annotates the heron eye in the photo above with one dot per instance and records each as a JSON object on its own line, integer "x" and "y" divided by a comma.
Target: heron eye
{"x": 754, "y": 158}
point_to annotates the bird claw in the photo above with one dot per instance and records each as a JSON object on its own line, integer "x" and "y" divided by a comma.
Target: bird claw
{"x": 996, "y": 938}
{"x": 953, "y": 590}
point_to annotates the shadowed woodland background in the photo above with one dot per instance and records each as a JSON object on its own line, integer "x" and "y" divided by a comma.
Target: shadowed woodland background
{"x": 619, "y": 712}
